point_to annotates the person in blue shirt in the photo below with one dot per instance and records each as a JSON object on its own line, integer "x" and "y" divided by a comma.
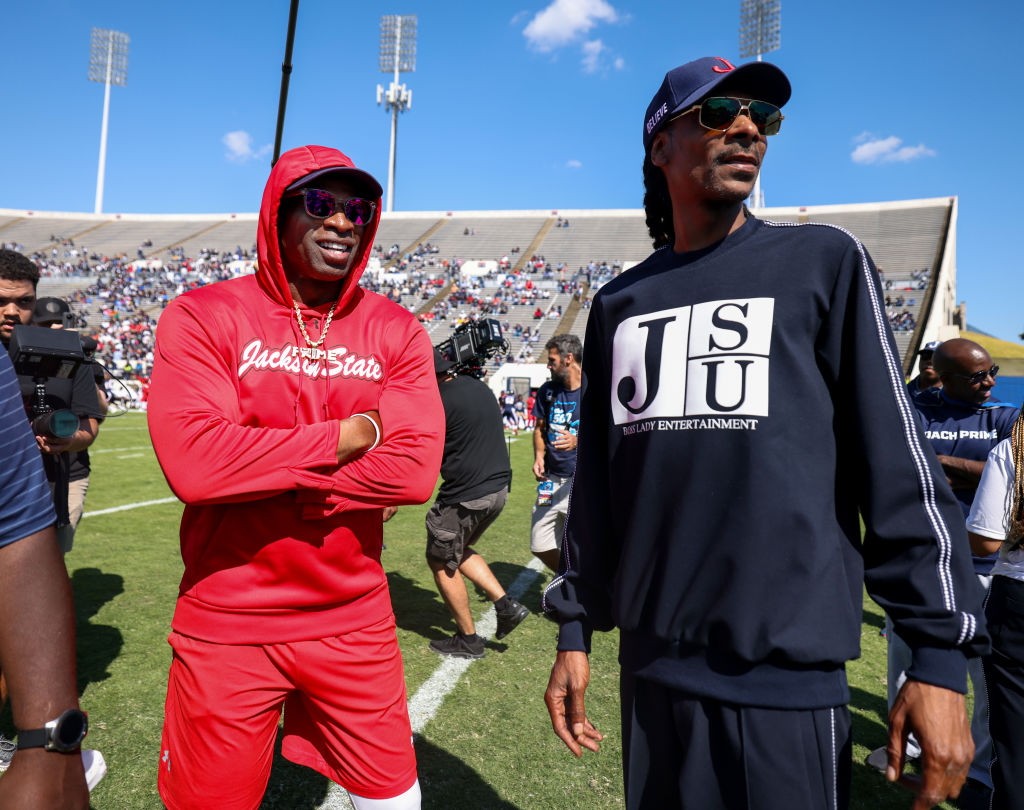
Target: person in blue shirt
{"x": 962, "y": 424}
{"x": 927, "y": 376}
{"x": 556, "y": 426}
{"x": 37, "y": 634}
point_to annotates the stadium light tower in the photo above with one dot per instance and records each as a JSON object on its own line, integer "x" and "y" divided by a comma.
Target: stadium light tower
{"x": 398, "y": 54}
{"x": 108, "y": 63}
{"x": 760, "y": 33}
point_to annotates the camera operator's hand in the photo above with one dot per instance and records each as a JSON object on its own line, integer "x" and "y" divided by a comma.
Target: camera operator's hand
{"x": 82, "y": 438}
{"x": 359, "y": 433}
{"x": 51, "y": 447}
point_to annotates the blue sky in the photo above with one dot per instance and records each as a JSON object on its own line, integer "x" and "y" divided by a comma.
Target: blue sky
{"x": 522, "y": 104}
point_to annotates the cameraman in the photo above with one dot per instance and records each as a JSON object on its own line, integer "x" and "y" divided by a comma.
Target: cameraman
{"x": 476, "y": 474}
{"x": 19, "y": 277}
{"x": 53, "y": 313}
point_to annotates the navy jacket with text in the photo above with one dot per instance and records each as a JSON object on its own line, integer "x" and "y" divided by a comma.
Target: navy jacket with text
{"x": 745, "y": 408}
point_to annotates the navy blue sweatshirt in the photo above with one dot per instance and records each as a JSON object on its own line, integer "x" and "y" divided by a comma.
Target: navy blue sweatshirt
{"x": 745, "y": 406}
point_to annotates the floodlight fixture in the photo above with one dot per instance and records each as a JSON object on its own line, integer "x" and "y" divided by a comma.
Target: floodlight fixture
{"x": 397, "y": 55}
{"x": 760, "y": 27}
{"x": 108, "y": 63}
{"x": 760, "y": 33}
{"x": 398, "y": 43}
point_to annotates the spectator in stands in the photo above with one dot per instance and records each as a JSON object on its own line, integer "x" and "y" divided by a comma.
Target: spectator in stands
{"x": 476, "y": 475}
{"x": 927, "y": 377}
{"x": 37, "y": 634}
{"x": 556, "y": 412}
{"x": 962, "y": 425}
{"x": 735, "y": 428}
{"x": 287, "y": 410}
{"x": 996, "y": 526}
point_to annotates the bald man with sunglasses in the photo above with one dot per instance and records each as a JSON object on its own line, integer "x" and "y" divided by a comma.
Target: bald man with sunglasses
{"x": 288, "y": 410}
{"x": 962, "y": 423}
{"x": 745, "y": 405}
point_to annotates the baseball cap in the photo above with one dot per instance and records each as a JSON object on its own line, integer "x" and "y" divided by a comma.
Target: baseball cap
{"x": 49, "y": 310}
{"x": 363, "y": 179}
{"x": 687, "y": 84}
{"x": 930, "y": 346}
{"x": 441, "y": 363}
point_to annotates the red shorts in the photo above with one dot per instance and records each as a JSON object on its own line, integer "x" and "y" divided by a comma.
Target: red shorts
{"x": 345, "y": 715}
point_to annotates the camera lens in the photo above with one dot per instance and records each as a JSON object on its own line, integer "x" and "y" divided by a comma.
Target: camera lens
{"x": 62, "y": 424}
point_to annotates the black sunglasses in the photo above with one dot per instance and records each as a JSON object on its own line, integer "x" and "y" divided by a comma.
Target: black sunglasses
{"x": 978, "y": 377}
{"x": 719, "y": 112}
{"x": 322, "y": 204}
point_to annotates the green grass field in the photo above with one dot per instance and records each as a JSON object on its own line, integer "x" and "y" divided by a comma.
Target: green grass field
{"x": 490, "y": 744}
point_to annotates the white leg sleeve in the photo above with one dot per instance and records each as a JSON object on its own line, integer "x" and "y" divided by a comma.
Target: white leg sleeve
{"x": 410, "y": 800}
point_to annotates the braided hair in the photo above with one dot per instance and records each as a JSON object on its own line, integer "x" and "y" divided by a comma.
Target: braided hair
{"x": 1015, "y": 532}
{"x": 657, "y": 205}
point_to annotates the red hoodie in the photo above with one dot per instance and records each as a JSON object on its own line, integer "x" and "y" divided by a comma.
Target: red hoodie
{"x": 280, "y": 543}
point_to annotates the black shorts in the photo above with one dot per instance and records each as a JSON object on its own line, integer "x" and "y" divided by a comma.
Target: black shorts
{"x": 1004, "y": 678}
{"x": 451, "y": 528}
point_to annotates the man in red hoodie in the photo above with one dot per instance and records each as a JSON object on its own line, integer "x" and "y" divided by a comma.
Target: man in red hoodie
{"x": 287, "y": 409}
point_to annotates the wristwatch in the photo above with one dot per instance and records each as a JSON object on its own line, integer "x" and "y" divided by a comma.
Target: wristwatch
{"x": 63, "y": 734}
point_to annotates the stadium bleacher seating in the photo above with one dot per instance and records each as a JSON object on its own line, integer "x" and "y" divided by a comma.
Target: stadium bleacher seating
{"x": 905, "y": 238}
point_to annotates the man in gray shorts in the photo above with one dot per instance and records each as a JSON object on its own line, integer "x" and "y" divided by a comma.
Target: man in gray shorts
{"x": 476, "y": 474}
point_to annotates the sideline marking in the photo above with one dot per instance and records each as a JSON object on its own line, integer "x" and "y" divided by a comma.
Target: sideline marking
{"x": 128, "y": 506}
{"x": 431, "y": 694}
{"x": 119, "y": 449}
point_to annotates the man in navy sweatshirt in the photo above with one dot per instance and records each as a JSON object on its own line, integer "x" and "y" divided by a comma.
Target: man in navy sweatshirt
{"x": 745, "y": 406}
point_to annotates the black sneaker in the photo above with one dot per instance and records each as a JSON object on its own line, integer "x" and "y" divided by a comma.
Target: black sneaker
{"x": 508, "y": 620}
{"x": 459, "y": 647}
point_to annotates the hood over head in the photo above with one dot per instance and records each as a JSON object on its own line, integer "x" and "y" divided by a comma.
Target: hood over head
{"x": 294, "y": 167}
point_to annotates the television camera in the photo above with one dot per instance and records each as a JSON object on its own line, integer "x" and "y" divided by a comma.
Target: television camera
{"x": 473, "y": 343}
{"x": 39, "y": 354}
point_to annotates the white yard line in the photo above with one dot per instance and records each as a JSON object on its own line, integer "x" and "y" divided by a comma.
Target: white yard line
{"x": 119, "y": 449}
{"x": 435, "y": 689}
{"x": 128, "y": 506}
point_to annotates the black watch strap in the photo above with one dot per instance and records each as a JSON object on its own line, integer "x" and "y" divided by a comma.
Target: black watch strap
{"x": 64, "y": 734}
{"x": 33, "y": 738}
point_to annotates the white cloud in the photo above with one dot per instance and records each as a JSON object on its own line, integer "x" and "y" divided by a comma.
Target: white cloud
{"x": 592, "y": 55}
{"x": 871, "y": 149}
{"x": 565, "y": 21}
{"x": 619, "y": 63}
{"x": 518, "y": 17}
{"x": 573, "y": 164}
{"x": 239, "y": 144}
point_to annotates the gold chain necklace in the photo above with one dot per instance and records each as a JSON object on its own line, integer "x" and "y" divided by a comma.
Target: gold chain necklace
{"x": 313, "y": 350}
